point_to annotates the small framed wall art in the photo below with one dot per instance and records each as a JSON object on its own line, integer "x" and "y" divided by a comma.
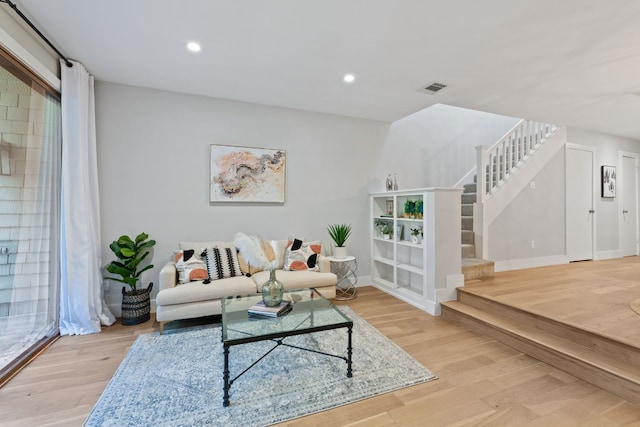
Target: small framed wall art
{"x": 608, "y": 176}
{"x": 246, "y": 174}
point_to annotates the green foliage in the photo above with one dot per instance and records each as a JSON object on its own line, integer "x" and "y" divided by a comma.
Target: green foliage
{"x": 130, "y": 254}
{"x": 385, "y": 226}
{"x": 339, "y": 233}
{"x": 410, "y": 206}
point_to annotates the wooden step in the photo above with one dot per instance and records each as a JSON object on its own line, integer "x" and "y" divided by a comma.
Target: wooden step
{"x": 476, "y": 268}
{"x": 549, "y": 341}
{"x": 626, "y": 352}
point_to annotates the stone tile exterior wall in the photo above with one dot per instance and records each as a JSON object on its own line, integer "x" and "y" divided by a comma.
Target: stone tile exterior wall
{"x": 24, "y": 217}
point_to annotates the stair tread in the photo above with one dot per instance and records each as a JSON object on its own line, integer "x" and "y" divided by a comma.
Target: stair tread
{"x": 470, "y": 290}
{"x": 476, "y": 261}
{"x": 561, "y": 345}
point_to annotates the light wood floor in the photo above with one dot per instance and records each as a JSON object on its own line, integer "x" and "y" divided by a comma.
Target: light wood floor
{"x": 481, "y": 382}
{"x": 592, "y": 295}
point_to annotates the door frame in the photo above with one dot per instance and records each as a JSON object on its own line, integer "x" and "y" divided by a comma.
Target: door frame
{"x": 621, "y": 183}
{"x": 594, "y": 187}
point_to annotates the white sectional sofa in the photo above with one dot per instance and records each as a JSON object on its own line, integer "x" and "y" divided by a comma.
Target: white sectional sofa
{"x": 194, "y": 299}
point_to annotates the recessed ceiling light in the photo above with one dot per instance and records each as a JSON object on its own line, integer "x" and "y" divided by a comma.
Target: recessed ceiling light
{"x": 193, "y": 47}
{"x": 349, "y": 78}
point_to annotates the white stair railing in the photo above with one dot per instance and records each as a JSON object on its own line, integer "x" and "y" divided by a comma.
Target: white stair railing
{"x": 495, "y": 165}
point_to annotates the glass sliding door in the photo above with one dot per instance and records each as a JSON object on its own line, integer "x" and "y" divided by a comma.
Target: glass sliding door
{"x": 30, "y": 148}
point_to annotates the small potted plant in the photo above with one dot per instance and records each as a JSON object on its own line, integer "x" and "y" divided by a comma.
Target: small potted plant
{"x": 339, "y": 233}
{"x": 419, "y": 209}
{"x": 387, "y": 230}
{"x": 136, "y": 307}
{"x": 409, "y": 209}
{"x": 416, "y": 235}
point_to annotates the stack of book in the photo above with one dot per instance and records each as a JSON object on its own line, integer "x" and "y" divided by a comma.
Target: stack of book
{"x": 260, "y": 309}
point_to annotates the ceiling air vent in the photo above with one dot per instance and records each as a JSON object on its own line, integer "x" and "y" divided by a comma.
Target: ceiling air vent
{"x": 433, "y": 88}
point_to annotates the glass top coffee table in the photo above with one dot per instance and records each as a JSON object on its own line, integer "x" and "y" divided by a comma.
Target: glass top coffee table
{"x": 311, "y": 312}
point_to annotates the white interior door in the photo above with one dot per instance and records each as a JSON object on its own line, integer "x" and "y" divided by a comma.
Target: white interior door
{"x": 580, "y": 202}
{"x": 629, "y": 205}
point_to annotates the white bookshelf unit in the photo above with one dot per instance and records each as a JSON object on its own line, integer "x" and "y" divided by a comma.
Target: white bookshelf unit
{"x": 426, "y": 273}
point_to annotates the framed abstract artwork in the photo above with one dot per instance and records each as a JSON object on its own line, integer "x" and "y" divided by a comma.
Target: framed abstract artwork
{"x": 246, "y": 174}
{"x": 608, "y": 176}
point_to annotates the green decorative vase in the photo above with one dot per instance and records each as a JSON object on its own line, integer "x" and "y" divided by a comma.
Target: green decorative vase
{"x": 272, "y": 290}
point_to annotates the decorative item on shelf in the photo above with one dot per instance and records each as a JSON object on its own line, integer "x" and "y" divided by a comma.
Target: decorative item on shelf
{"x": 385, "y": 228}
{"x": 339, "y": 233}
{"x": 389, "y": 183}
{"x": 399, "y": 232}
{"x": 416, "y": 235}
{"x": 390, "y": 207}
{"x": 395, "y": 182}
{"x": 136, "y": 303}
{"x": 272, "y": 290}
{"x": 419, "y": 208}
{"x": 387, "y": 231}
{"x": 409, "y": 209}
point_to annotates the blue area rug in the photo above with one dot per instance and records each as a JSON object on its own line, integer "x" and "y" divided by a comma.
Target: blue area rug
{"x": 176, "y": 379}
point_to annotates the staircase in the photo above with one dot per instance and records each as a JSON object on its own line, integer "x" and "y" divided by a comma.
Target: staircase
{"x": 472, "y": 268}
{"x": 605, "y": 362}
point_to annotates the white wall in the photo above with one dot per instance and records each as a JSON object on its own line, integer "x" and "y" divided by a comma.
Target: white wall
{"x": 607, "y": 210}
{"x": 27, "y": 46}
{"x": 153, "y": 155}
{"x": 539, "y": 214}
{"x": 536, "y": 214}
{"x": 153, "y": 159}
{"x": 435, "y": 147}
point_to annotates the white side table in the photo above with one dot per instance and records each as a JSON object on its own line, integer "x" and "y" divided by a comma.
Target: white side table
{"x": 345, "y": 269}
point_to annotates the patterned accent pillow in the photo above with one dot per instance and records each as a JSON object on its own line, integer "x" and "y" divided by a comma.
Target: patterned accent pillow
{"x": 222, "y": 262}
{"x": 190, "y": 267}
{"x": 303, "y": 255}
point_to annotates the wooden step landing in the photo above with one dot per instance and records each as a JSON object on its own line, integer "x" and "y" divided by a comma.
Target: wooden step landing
{"x": 603, "y": 361}
{"x": 476, "y": 268}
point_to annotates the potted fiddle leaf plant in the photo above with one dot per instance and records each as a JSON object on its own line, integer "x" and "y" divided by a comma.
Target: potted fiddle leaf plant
{"x": 339, "y": 233}
{"x": 136, "y": 303}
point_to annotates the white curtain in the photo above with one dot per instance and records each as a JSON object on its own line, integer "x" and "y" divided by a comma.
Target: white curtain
{"x": 82, "y": 307}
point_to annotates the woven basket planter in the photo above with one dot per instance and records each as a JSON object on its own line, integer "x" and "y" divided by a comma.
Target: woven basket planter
{"x": 136, "y": 306}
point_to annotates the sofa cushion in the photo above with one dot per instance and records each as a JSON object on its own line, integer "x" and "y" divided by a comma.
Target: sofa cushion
{"x": 198, "y": 291}
{"x": 297, "y": 279}
{"x": 190, "y": 266}
{"x": 302, "y": 256}
{"x": 222, "y": 262}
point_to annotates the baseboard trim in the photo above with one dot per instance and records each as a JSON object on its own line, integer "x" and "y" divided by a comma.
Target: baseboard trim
{"x": 607, "y": 255}
{"x": 448, "y": 293}
{"x": 364, "y": 281}
{"x": 519, "y": 264}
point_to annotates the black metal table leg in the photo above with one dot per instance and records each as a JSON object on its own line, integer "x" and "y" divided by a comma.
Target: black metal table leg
{"x": 225, "y": 401}
{"x": 349, "y": 351}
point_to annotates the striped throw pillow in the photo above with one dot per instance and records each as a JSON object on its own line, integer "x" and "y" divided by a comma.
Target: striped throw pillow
{"x": 222, "y": 262}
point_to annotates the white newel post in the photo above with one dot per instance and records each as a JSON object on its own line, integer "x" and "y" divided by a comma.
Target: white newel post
{"x": 481, "y": 240}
